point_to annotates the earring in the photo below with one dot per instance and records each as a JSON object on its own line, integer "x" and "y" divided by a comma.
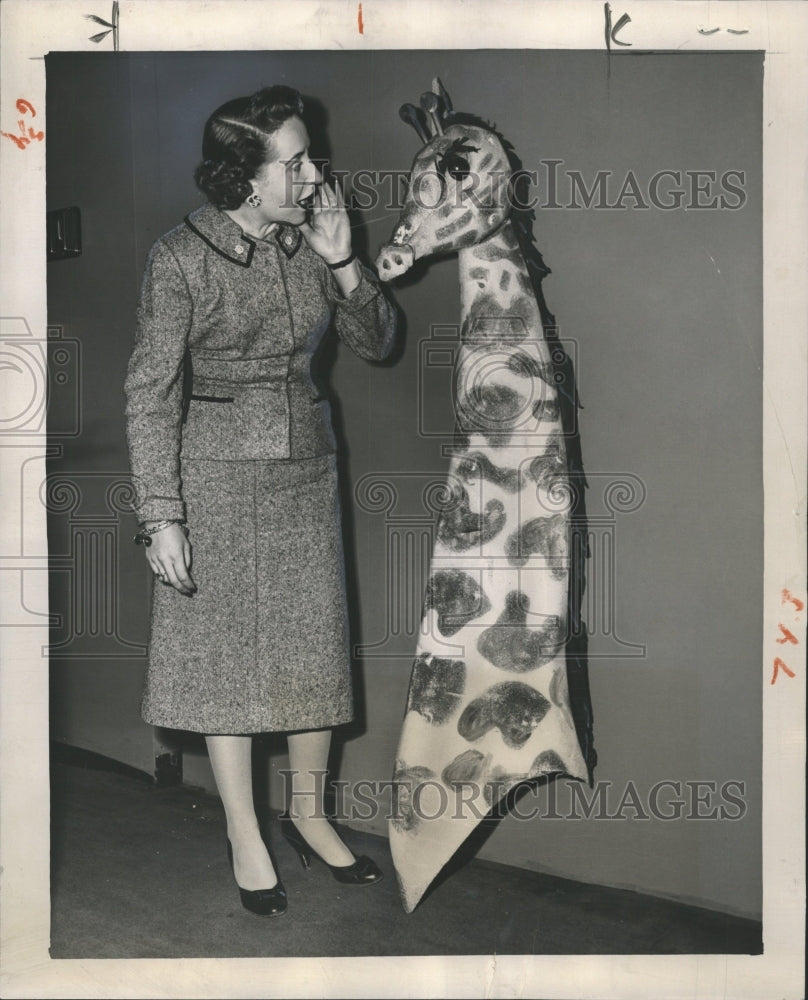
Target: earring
{"x": 254, "y": 200}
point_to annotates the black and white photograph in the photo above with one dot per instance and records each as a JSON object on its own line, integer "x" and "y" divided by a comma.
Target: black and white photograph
{"x": 403, "y": 470}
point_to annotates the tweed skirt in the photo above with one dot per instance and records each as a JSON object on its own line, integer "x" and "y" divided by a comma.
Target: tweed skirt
{"x": 263, "y": 644}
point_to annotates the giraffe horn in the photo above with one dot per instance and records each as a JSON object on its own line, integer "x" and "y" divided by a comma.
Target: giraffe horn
{"x": 443, "y": 94}
{"x": 409, "y": 113}
{"x": 431, "y": 104}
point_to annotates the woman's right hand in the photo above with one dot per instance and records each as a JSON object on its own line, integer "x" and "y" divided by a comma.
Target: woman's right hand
{"x": 169, "y": 557}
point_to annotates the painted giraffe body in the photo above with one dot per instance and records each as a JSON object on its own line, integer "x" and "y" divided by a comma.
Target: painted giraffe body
{"x": 488, "y": 703}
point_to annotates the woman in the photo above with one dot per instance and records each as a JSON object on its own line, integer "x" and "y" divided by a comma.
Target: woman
{"x": 232, "y": 454}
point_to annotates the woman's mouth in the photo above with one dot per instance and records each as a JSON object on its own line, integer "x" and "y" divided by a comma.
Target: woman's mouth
{"x": 307, "y": 203}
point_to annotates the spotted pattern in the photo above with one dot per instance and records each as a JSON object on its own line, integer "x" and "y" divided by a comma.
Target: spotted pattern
{"x": 548, "y": 762}
{"x": 511, "y": 645}
{"x": 544, "y": 535}
{"x": 406, "y": 782}
{"x": 526, "y": 365}
{"x": 457, "y": 598}
{"x": 436, "y": 686}
{"x": 514, "y": 708}
{"x": 545, "y": 468}
{"x": 546, "y": 409}
{"x": 468, "y": 766}
{"x": 459, "y": 529}
{"x": 508, "y": 623}
{"x": 492, "y": 410}
{"x": 454, "y": 227}
{"x": 475, "y": 464}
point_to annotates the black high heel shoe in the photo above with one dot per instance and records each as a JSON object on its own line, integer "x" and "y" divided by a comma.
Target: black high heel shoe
{"x": 363, "y": 871}
{"x": 264, "y": 902}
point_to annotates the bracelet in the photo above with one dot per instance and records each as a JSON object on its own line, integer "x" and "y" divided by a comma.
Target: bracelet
{"x": 143, "y": 537}
{"x": 342, "y": 263}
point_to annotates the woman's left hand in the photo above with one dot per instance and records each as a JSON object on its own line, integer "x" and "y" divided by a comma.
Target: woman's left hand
{"x": 328, "y": 229}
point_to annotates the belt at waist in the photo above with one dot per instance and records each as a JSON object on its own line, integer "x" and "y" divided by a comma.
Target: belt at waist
{"x": 240, "y": 370}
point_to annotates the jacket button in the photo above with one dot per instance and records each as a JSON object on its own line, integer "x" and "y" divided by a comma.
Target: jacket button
{"x": 239, "y": 248}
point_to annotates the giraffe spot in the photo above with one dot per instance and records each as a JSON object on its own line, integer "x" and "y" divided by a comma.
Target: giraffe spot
{"x": 544, "y": 535}
{"x": 460, "y": 529}
{"x": 524, "y": 282}
{"x": 454, "y": 227}
{"x": 465, "y": 768}
{"x": 509, "y": 238}
{"x": 436, "y": 685}
{"x": 491, "y": 322}
{"x": 406, "y": 784}
{"x": 546, "y": 409}
{"x": 490, "y": 251}
{"x": 476, "y": 465}
{"x": 490, "y": 408}
{"x": 505, "y": 280}
{"x": 467, "y": 239}
{"x": 443, "y": 248}
{"x": 479, "y": 273}
{"x": 515, "y": 709}
{"x": 458, "y": 599}
{"x": 523, "y": 364}
{"x": 548, "y": 762}
{"x": 511, "y": 645}
{"x": 547, "y": 467}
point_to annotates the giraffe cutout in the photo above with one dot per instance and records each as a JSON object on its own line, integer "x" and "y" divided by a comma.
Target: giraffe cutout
{"x": 488, "y": 704}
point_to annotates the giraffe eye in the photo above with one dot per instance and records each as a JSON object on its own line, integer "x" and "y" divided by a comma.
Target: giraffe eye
{"x": 458, "y": 168}
{"x": 452, "y": 163}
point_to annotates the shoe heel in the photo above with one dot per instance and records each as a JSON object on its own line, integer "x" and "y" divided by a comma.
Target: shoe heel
{"x": 293, "y": 838}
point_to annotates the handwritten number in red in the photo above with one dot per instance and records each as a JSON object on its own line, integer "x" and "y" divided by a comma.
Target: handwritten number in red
{"x": 23, "y": 140}
{"x": 780, "y": 665}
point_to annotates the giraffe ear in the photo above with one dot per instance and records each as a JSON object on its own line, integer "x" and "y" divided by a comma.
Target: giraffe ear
{"x": 439, "y": 90}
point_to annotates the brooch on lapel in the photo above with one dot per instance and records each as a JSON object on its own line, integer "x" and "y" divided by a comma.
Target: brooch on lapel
{"x": 288, "y": 239}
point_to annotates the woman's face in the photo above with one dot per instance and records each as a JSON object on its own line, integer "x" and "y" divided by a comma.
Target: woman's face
{"x": 287, "y": 181}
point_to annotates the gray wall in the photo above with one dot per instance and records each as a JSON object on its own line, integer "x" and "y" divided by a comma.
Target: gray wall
{"x": 662, "y": 312}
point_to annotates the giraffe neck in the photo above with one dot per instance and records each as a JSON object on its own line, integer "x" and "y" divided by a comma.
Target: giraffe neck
{"x": 494, "y": 281}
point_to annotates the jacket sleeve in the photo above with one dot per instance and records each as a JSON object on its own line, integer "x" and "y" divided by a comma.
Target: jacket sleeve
{"x": 365, "y": 320}
{"x": 154, "y": 387}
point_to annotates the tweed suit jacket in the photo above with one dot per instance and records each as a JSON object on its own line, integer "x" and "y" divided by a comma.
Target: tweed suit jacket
{"x": 226, "y": 329}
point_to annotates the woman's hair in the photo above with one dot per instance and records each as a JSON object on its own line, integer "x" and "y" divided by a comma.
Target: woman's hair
{"x": 236, "y": 142}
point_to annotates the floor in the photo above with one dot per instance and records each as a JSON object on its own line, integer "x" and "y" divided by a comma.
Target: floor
{"x": 140, "y": 871}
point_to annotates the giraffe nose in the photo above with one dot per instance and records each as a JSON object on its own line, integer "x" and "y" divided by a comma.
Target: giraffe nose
{"x": 394, "y": 261}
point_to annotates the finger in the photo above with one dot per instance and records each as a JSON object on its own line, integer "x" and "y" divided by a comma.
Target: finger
{"x": 329, "y": 198}
{"x": 178, "y": 571}
{"x": 174, "y": 581}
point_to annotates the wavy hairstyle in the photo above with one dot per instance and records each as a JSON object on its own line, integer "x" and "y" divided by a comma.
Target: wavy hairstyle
{"x": 236, "y": 142}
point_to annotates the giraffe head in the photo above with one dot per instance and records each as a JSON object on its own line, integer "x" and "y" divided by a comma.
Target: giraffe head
{"x": 458, "y": 186}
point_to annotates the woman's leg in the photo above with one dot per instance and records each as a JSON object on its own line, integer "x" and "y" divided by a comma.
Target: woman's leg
{"x": 308, "y": 754}
{"x": 231, "y": 760}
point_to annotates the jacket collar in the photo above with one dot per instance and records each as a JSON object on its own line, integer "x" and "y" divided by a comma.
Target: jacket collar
{"x": 215, "y": 228}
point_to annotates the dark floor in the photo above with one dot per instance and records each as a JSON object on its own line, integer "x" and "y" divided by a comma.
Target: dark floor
{"x": 140, "y": 872}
